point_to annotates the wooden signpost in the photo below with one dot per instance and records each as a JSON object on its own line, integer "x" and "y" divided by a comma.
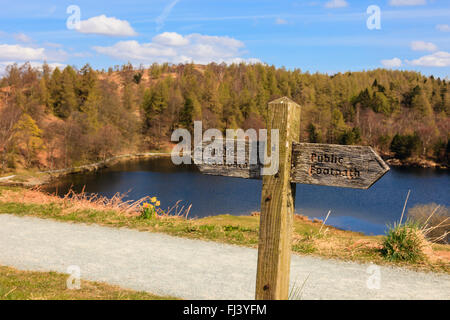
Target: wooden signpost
{"x": 306, "y": 163}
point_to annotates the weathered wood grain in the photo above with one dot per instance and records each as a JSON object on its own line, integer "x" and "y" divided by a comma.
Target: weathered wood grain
{"x": 240, "y": 165}
{"x": 277, "y": 207}
{"x": 336, "y": 165}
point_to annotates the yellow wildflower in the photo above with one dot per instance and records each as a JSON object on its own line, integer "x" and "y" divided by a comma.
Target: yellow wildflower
{"x": 157, "y": 203}
{"x": 153, "y": 200}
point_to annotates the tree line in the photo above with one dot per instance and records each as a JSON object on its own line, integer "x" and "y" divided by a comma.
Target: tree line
{"x": 60, "y": 118}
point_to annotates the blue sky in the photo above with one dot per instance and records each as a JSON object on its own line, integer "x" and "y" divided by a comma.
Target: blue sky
{"x": 326, "y": 36}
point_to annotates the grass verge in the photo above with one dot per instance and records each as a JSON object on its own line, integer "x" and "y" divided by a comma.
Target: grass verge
{"x": 31, "y": 285}
{"x": 309, "y": 238}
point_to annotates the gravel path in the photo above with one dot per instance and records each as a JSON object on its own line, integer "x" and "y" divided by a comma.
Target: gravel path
{"x": 191, "y": 269}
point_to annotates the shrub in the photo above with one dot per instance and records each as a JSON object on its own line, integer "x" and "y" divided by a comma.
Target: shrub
{"x": 404, "y": 242}
{"x": 137, "y": 77}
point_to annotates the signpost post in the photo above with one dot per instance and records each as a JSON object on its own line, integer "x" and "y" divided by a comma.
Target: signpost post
{"x": 307, "y": 163}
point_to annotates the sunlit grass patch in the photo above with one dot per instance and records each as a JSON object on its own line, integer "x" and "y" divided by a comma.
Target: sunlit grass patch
{"x": 28, "y": 285}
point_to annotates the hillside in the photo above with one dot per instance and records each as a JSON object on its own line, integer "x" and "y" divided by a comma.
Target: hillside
{"x": 52, "y": 119}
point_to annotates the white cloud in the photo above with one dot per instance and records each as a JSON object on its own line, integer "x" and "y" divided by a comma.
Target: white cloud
{"x": 443, "y": 27}
{"x": 248, "y": 61}
{"x": 423, "y": 46}
{"x": 108, "y": 26}
{"x": 10, "y": 54}
{"x": 400, "y": 3}
{"x": 20, "y": 53}
{"x": 437, "y": 59}
{"x": 392, "y": 63}
{"x": 336, "y": 4}
{"x": 52, "y": 65}
{"x": 170, "y": 39}
{"x": 280, "y": 21}
{"x": 21, "y": 37}
{"x": 175, "y": 48}
{"x": 34, "y": 64}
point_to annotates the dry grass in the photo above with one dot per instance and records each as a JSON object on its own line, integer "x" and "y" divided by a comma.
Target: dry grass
{"x": 73, "y": 202}
{"x": 434, "y": 220}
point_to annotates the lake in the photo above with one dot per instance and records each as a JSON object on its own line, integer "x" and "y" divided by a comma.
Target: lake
{"x": 367, "y": 211}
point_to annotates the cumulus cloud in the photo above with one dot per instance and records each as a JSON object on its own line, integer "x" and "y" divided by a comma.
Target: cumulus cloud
{"x": 17, "y": 52}
{"x": 423, "y": 46}
{"x": 175, "y": 48}
{"x": 336, "y": 4}
{"x": 437, "y": 59}
{"x": 392, "y": 63}
{"x": 400, "y": 3}
{"x": 443, "y": 27}
{"x": 170, "y": 39}
{"x": 108, "y": 26}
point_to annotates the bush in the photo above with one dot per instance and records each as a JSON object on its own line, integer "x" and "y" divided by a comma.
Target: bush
{"x": 404, "y": 242}
{"x": 437, "y": 224}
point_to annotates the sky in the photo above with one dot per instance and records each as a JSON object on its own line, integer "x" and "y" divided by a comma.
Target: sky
{"x": 327, "y": 36}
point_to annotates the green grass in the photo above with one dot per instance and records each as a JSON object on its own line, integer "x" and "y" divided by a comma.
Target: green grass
{"x": 238, "y": 230}
{"x": 28, "y": 285}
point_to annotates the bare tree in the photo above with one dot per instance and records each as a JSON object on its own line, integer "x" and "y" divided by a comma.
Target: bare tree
{"x": 9, "y": 116}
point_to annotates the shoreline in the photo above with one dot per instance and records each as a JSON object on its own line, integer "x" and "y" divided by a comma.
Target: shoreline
{"x": 413, "y": 163}
{"x": 44, "y": 177}
{"x": 423, "y": 164}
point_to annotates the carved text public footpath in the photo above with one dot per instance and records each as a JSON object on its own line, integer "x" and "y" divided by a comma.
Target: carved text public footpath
{"x": 332, "y": 159}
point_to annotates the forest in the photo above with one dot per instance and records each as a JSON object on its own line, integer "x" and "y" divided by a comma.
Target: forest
{"x": 58, "y": 118}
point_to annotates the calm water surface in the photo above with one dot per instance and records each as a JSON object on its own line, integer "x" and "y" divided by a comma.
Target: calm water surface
{"x": 368, "y": 211}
